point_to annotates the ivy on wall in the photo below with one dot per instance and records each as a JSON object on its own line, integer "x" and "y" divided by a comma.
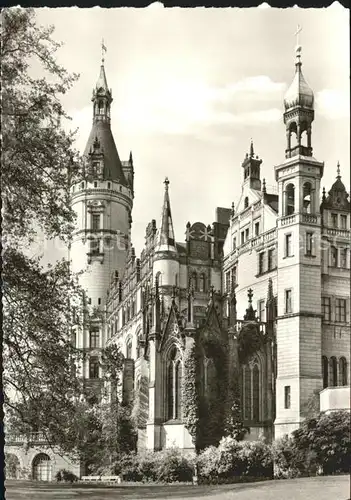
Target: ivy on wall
{"x": 190, "y": 400}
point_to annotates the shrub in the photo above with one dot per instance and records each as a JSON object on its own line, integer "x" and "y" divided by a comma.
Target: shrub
{"x": 66, "y": 476}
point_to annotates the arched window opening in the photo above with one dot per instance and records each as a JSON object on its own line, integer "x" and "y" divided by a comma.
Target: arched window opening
{"x": 333, "y": 257}
{"x": 129, "y": 349}
{"x": 194, "y": 280}
{"x": 289, "y": 199}
{"x": 343, "y": 371}
{"x": 247, "y": 392}
{"x": 123, "y": 317}
{"x": 174, "y": 384}
{"x": 94, "y": 367}
{"x": 246, "y": 202}
{"x": 307, "y": 198}
{"x": 42, "y": 467}
{"x": 292, "y": 136}
{"x": 12, "y": 466}
{"x": 325, "y": 371}
{"x": 333, "y": 372}
{"x": 139, "y": 344}
{"x": 202, "y": 283}
{"x": 100, "y": 107}
{"x": 255, "y": 393}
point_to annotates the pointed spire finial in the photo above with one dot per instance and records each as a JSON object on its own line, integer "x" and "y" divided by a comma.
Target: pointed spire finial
{"x": 166, "y": 183}
{"x": 264, "y": 190}
{"x": 252, "y": 154}
{"x": 298, "y": 46}
{"x": 233, "y": 209}
{"x": 338, "y": 171}
{"x": 130, "y": 158}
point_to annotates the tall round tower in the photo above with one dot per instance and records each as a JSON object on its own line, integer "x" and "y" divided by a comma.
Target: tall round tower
{"x": 102, "y": 200}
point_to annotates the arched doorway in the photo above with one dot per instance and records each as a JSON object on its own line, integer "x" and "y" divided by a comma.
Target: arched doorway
{"x": 12, "y": 466}
{"x": 42, "y": 467}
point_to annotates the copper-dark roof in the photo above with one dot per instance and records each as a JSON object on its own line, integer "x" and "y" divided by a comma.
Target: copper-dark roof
{"x": 112, "y": 164}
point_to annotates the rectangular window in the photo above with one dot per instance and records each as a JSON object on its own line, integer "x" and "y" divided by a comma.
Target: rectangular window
{"x": 326, "y": 310}
{"x": 234, "y": 243}
{"x": 343, "y": 258}
{"x": 271, "y": 259}
{"x": 227, "y": 281}
{"x": 242, "y": 237}
{"x": 94, "y": 367}
{"x": 246, "y": 234}
{"x": 94, "y": 338}
{"x": 288, "y": 245}
{"x": 257, "y": 228}
{"x": 95, "y": 222}
{"x": 288, "y": 302}
{"x": 287, "y": 397}
{"x": 340, "y": 310}
{"x": 334, "y": 218}
{"x": 261, "y": 263}
{"x": 309, "y": 243}
{"x": 234, "y": 277}
{"x": 343, "y": 221}
{"x": 261, "y": 310}
{"x": 94, "y": 246}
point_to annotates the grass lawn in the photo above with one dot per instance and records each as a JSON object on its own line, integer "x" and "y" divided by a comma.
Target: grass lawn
{"x": 315, "y": 488}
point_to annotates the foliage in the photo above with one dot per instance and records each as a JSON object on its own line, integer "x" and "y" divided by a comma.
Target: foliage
{"x": 190, "y": 399}
{"x": 320, "y": 444}
{"x": 12, "y": 465}
{"x": 65, "y": 475}
{"x": 166, "y": 466}
{"x": 233, "y": 460}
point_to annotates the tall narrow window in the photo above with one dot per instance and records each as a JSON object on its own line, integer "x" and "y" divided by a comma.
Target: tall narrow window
{"x": 288, "y": 301}
{"x": 271, "y": 259}
{"x": 227, "y": 282}
{"x": 257, "y": 228}
{"x": 333, "y": 372}
{"x": 174, "y": 383}
{"x": 194, "y": 281}
{"x": 340, "y": 310}
{"x": 309, "y": 243}
{"x": 287, "y": 397}
{"x": 234, "y": 276}
{"x": 334, "y": 219}
{"x": 129, "y": 349}
{"x": 95, "y": 222}
{"x": 247, "y": 392}
{"x": 94, "y": 337}
{"x": 94, "y": 367}
{"x": 343, "y": 221}
{"x": 261, "y": 310}
{"x": 246, "y": 234}
{"x": 307, "y": 194}
{"x": 255, "y": 393}
{"x": 326, "y": 310}
{"x": 343, "y": 258}
{"x": 202, "y": 283}
{"x": 242, "y": 236}
{"x": 234, "y": 243}
{"x": 288, "y": 245}
{"x": 333, "y": 257}
{"x": 246, "y": 202}
{"x": 261, "y": 263}
{"x": 342, "y": 371}
{"x": 289, "y": 199}
{"x": 325, "y": 370}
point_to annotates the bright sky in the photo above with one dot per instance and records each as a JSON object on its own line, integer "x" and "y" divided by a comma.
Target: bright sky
{"x": 191, "y": 87}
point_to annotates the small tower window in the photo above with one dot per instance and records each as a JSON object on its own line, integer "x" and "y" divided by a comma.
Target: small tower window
{"x": 100, "y": 107}
{"x": 333, "y": 372}
{"x": 333, "y": 257}
{"x": 82, "y": 185}
{"x": 289, "y": 199}
{"x": 287, "y": 396}
{"x": 95, "y": 184}
{"x": 109, "y": 185}
{"x": 257, "y": 228}
{"x": 246, "y": 202}
{"x": 129, "y": 349}
{"x": 307, "y": 197}
{"x": 95, "y": 222}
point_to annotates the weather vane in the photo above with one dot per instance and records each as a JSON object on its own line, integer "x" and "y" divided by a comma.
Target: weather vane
{"x": 298, "y": 30}
{"x": 103, "y": 51}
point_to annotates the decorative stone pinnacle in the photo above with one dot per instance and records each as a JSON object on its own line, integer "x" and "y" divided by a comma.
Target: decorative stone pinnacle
{"x": 166, "y": 183}
{"x": 252, "y": 154}
{"x": 250, "y": 295}
{"x": 338, "y": 170}
{"x": 264, "y": 186}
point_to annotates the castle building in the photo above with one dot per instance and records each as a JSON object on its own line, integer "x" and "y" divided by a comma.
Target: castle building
{"x": 264, "y": 290}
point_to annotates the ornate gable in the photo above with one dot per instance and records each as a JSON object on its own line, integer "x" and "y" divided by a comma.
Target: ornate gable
{"x": 173, "y": 327}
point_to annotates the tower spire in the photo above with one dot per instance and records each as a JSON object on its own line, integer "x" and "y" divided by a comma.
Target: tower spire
{"x": 338, "y": 171}
{"x": 252, "y": 153}
{"x": 165, "y": 240}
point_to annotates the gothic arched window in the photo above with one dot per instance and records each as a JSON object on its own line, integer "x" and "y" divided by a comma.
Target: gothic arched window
{"x": 333, "y": 372}
{"x": 202, "y": 283}
{"x": 307, "y": 198}
{"x": 174, "y": 382}
{"x": 251, "y": 391}
{"x": 325, "y": 369}
{"x": 342, "y": 371}
{"x": 333, "y": 257}
{"x": 289, "y": 199}
{"x": 129, "y": 349}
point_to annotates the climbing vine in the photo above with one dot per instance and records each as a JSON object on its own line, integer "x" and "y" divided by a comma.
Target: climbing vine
{"x": 190, "y": 397}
